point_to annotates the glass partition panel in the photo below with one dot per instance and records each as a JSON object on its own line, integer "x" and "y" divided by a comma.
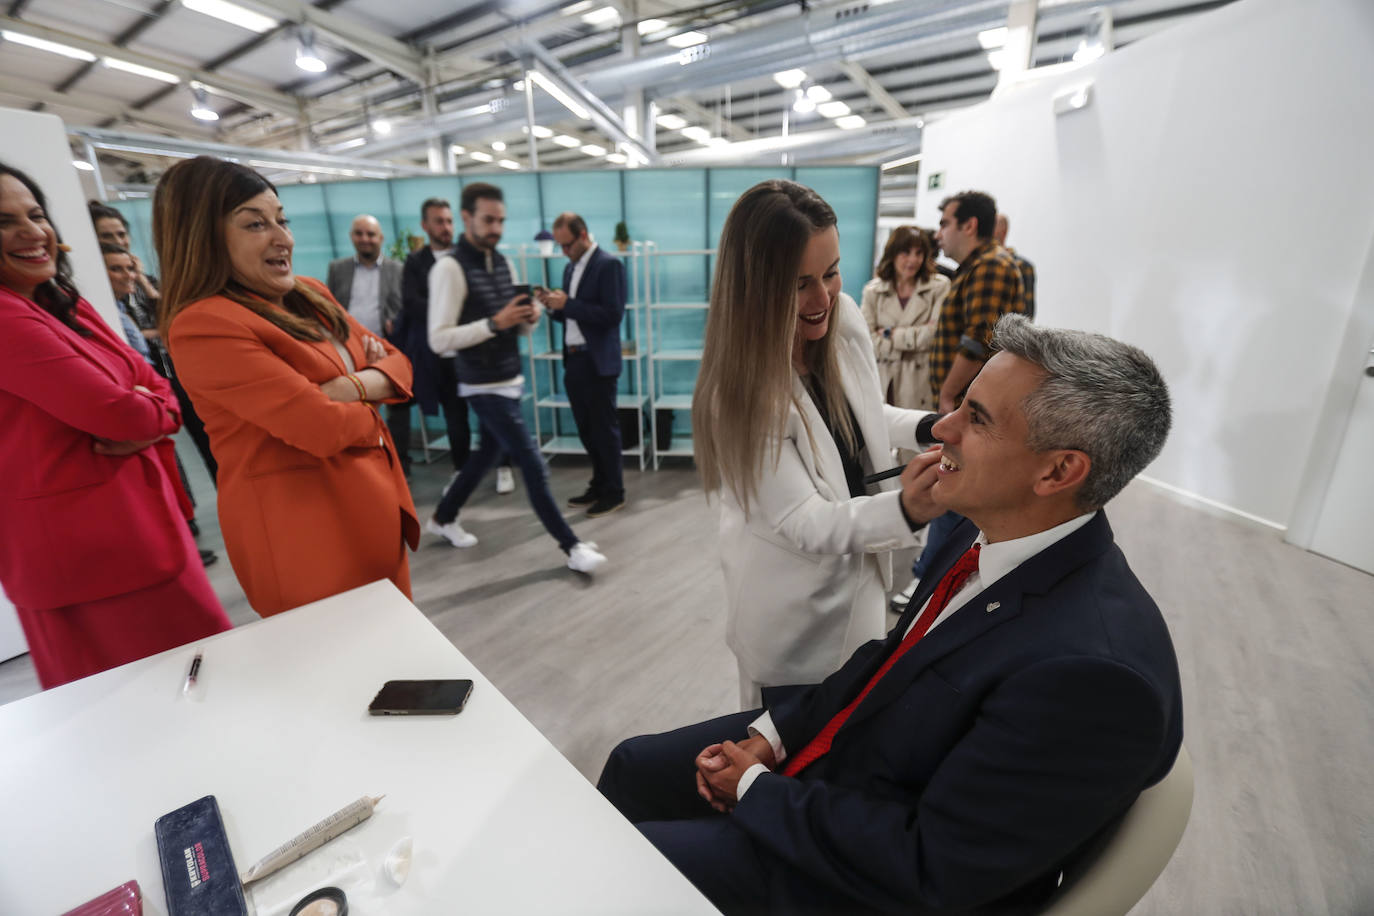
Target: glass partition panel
{"x": 348, "y": 199}
{"x": 668, "y": 206}
{"x": 407, "y": 194}
{"x": 139, "y": 213}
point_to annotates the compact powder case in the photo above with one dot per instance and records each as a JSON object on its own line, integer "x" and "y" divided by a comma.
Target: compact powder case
{"x": 327, "y": 901}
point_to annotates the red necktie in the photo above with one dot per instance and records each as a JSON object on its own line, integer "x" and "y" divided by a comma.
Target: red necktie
{"x": 949, "y": 586}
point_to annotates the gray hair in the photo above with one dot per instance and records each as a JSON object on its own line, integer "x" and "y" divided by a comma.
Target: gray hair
{"x": 1099, "y": 396}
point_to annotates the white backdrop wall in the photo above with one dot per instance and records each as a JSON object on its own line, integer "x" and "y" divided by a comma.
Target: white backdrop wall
{"x": 36, "y": 144}
{"x": 1212, "y": 204}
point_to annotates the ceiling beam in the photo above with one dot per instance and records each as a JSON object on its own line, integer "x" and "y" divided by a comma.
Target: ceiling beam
{"x": 599, "y": 113}
{"x": 865, "y": 81}
{"x": 218, "y": 83}
{"x": 347, "y": 33}
{"x": 142, "y": 24}
{"x": 95, "y": 106}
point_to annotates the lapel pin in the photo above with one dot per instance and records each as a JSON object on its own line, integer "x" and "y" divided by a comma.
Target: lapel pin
{"x": 993, "y": 605}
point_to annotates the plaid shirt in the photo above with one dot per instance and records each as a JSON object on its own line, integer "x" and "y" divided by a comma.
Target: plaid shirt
{"x": 986, "y": 287}
{"x": 1027, "y": 280}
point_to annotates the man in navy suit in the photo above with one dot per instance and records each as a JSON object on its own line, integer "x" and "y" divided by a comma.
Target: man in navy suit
{"x": 591, "y": 306}
{"x": 981, "y": 752}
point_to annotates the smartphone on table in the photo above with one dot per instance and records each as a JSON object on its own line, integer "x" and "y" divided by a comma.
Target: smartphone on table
{"x": 421, "y": 698}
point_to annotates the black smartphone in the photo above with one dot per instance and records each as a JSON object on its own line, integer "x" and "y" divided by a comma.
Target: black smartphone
{"x": 522, "y": 289}
{"x": 421, "y": 698}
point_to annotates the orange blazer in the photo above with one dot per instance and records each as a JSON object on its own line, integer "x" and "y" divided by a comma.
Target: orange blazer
{"x": 312, "y": 498}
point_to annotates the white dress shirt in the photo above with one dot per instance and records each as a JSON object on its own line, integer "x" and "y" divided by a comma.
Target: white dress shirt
{"x": 994, "y": 562}
{"x": 572, "y": 334}
{"x": 365, "y": 301}
{"x": 448, "y": 290}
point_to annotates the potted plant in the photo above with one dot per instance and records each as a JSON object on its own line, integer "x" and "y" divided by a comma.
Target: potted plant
{"x": 622, "y": 236}
{"x": 545, "y": 239}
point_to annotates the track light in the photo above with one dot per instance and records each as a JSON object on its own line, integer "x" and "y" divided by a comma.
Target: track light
{"x": 307, "y": 58}
{"x": 200, "y": 105}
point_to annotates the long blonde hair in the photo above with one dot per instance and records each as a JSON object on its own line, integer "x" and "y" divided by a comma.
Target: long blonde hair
{"x": 192, "y": 201}
{"x": 745, "y": 385}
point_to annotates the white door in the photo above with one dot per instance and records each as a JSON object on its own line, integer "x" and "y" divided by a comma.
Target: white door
{"x": 1345, "y": 528}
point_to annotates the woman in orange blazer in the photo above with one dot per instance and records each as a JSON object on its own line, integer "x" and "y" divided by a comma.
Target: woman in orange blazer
{"x": 93, "y": 549}
{"x": 312, "y": 499}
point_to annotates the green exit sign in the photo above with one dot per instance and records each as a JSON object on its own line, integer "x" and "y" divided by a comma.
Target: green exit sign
{"x": 935, "y": 182}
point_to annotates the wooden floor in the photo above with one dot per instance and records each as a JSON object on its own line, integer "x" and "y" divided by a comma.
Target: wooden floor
{"x": 1276, "y": 647}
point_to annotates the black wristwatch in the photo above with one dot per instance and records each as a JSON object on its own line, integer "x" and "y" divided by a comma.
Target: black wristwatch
{"x": 491, "y": 326}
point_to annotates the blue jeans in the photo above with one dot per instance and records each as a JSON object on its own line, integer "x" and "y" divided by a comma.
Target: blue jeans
{"x": 503, "y": 428}
{"x": 937, "y": 532}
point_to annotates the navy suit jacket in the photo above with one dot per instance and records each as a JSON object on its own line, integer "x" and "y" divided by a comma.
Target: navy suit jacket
{"x": 996, "y": 753}
{"x": 413, "y": 332}
{"x": 598, "y": 308}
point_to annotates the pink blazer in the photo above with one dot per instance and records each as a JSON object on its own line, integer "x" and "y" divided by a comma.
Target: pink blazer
{"x": 76, "y": 526}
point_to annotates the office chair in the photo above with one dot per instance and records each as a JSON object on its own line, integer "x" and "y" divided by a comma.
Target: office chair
{"x": 1132, "y": 859}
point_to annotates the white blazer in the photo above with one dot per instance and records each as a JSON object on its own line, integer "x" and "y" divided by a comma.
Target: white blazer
{"x": 806, "y": 574}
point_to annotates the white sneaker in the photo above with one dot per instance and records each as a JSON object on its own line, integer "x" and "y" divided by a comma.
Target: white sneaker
{"x": 505, "y": 481}
{"x": 903, "y": 598}
{"x": 452, "y": 532}
{"x": 585, "y": 558}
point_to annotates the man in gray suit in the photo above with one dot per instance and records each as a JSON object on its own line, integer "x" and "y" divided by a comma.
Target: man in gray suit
{"x": 369, "y": 286}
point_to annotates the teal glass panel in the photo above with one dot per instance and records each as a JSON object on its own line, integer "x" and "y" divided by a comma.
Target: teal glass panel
{"x": 305, "y": 207}
{"x": 668, "y": 207}
{"x": 726, "y": 187}
{"x": 407, "y": 194}
{"x": 139, "y": 213}
{"x": 852, "y": 192}
{"x": 346, "y": 200}
{"x": 594, "y": 196}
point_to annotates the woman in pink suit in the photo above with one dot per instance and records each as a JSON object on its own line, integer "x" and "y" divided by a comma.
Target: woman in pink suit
{"x": 93, "y": 550}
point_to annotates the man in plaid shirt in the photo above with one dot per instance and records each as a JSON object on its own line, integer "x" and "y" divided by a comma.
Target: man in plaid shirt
{"x": 999, "y": 233}
{"x": 986, "y": 287}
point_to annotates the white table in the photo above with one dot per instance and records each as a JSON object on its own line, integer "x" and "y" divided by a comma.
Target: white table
{"x": 280, "y": 734}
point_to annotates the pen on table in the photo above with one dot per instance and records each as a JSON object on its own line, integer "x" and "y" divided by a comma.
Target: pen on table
{"x": 193, "y": 673}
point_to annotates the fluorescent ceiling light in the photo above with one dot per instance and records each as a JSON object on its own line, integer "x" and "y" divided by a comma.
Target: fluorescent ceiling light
{"x": 481, "y": 156}
{"x": 508, "y": 164}
{"x": 581, "y": 6}
{"x": 647, "y": 26}
{"x": 382, "y": 126}
{"x": 591, "y": 149}
{"x": 699, "y": 134}
{"x": 518, "y": 85}
{"x": 803, "y": 103}
{"x": 604, "y": 16}
{"x": 849, "y": 122}
{"x": 567, "y": 101}
{"x": 997, "y": 58}
{"x": 83, "y": 165}
{"x": 52, "y": 47}
{"x": 688, "y": 39}
{"x": 790, "y": 79}
{"x": 499, "y": 145}
{"x": 671, "y": 122}
{"x": 457, "y": 150}
{"x": 352, "y": 144}
{"x": 992, "y": 38}
{"x": 232, "y": 13}
{"x": 617, "y": 158}
{"x": 835, "y": 109}
{"x": 540, "y": 132}
{"x": 114, "y": 63}
{"x": 565, "y": 140}
{"x": 818, "y": 94}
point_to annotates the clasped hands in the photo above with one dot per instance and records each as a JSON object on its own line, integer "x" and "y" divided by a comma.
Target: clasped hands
{"x": 120, "y": 447}
{"x": 720, "y": 766}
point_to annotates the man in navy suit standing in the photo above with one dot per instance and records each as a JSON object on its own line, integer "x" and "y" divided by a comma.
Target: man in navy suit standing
{"x": 982, "y": 751}
{"x": 591, "y": 306}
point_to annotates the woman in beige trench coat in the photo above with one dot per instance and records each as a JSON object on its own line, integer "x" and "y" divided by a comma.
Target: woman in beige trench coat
{"x": 901, "y": 305}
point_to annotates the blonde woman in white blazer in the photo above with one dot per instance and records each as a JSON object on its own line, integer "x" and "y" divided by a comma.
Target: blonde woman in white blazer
{"x": 807, "y": 562}
{"x": 902, "y": 306}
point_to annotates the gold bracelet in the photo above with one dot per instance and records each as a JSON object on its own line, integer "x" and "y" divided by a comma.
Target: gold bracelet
{"x": 358, "y": 383}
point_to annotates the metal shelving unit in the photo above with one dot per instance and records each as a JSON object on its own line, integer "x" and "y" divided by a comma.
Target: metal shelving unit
{"x": 549, "y": 396}
{"x": 678, "y": 446}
